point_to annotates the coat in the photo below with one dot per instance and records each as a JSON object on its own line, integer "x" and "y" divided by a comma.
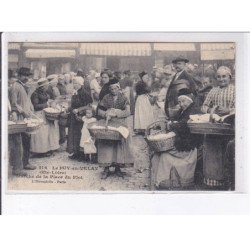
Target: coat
{"x": 78, "y": 101}
{"x": 172, "y": 93}
{"x": 62, "y": 89}
{"x": 184, "y": 140}
{"x": 39, "y": 99}
{"x": 19, "y": 100}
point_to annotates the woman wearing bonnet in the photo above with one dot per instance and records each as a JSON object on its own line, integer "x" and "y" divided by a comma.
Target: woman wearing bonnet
{"x": 80, "y": 100}
{"x": 175, "y": 169}
{"x": 221, "y": 99}
{"x": 118, "y": 154}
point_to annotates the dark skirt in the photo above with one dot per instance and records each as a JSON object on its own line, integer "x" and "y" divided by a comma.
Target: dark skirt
{"x": 74, "y": 134}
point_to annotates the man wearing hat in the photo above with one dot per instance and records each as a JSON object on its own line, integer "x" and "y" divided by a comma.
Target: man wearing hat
{"x": 179, "y": 64}
{"x": 22, "y": 107}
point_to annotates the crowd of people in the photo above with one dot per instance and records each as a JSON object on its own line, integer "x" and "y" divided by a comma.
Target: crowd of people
{"x": 173, "y": 93}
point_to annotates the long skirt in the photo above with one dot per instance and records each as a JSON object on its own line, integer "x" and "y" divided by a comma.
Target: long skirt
{"x": 111, "y": 152}
{"x": 74, "y": 135}
{"x": 174, "y": 169}
{"x": 214, "y": 148}
{"x": 45, "y": 138}
{"x": 144, "y": 112}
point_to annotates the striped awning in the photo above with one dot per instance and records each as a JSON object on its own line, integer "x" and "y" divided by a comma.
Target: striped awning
{"x": 217, "y": 51}
{"x": 14, "y": 46}
{"x": 48, "y": 45}
{"x": 49, "y": 53}
{"x": 174, "y": 46}
{"x": 115, "y": 49}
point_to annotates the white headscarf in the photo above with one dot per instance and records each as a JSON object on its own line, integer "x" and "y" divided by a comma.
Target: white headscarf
{"x": 79, "y": 80}
{"x": 224, "y": 70}
{"x": 185, "y": 97}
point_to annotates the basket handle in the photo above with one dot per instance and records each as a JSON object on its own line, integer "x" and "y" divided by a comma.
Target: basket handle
{"x": 148, "y": 129}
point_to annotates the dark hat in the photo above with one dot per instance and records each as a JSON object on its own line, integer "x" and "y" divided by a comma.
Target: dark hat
{"x": 113, "y": 81}
{"x": 143, "y": 73}
{"x": 180, "y": 59}
{"x": 108, "y": 72}
{"x": 184, "y": 91}
{"x": 24, "y": 72}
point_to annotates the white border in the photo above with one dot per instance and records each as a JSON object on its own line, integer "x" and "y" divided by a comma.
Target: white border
{"x": 144, "y": 202}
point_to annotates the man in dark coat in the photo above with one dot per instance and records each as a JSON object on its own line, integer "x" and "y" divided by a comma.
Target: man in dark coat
{"x": 21, "y": 108}
{"x": 172, "y": 95}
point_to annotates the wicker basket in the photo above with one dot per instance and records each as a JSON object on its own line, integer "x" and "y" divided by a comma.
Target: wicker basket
{"x": 211, "y": 128}
{"x": 33, "y": 128}
{"x": 163, "y": 145}
{"x": 17, "y": 128}
{"x": 52, "y": 116}
{"x": 105, "y": 134}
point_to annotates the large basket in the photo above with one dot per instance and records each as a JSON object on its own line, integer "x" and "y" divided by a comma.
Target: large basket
{"x": 163, "y": 145}
{"x": 211, "y": 128}
{"x": 105, "y": 134}
{"x": 17, "y": 128}
{"x": 52, "y": 116}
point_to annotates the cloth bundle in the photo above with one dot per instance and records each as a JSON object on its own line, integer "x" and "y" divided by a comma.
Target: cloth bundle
{"x": 122, "y": 130}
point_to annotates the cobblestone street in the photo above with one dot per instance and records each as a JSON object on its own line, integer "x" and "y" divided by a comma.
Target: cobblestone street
{"x": 85, "y": 176}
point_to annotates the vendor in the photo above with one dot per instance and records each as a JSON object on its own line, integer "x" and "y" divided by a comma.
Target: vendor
{"x": 114, "y": 106}
{"x": 221, "y": 99}
{"x": 175, "y": 168}
{"x": 79, "y": 101}
{"x": 46, "y": 138}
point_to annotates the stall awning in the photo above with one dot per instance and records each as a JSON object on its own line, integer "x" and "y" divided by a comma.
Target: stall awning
{"x": 217, "y": 51}
{"x": 14, "y": 46}
{"x": 116, "y": 49}
{"x": 174, "y": 47}
{"x": 48, "y": 45}
{"x": 49, "y": 53}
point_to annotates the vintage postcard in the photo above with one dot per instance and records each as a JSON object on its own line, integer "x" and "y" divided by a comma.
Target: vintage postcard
{"x": 119, "y": 115}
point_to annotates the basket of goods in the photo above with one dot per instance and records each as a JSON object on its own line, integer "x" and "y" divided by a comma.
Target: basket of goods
{"x": 16, "y": 127}
{"x": 210, "y": 124}
{"x": 158, "y": 138}
{"x": 108, "y": 130}
{"x": 33, "y": 124}
{"x": 52, "y": 114}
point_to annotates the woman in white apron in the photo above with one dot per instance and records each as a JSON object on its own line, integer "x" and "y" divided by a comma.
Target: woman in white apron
{"x": 46, "y": 138}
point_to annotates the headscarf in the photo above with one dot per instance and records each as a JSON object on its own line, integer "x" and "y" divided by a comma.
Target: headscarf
{"x": 79, "y": 80}
{"x": 225, "y": 70}
{"x": 185, "y": 94}
{"x": 114, "y": 82}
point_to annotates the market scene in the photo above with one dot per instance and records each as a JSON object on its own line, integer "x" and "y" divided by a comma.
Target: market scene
{"x": 124, "y": 116}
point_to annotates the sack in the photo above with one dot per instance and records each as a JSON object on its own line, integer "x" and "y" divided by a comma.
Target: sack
{"x": 64, "y": 119}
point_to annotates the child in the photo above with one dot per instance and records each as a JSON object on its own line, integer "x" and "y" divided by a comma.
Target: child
{"x": 87, "y": 143}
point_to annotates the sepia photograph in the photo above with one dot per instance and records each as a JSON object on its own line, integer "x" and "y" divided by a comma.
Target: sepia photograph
{"x": 121, "y": 116}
